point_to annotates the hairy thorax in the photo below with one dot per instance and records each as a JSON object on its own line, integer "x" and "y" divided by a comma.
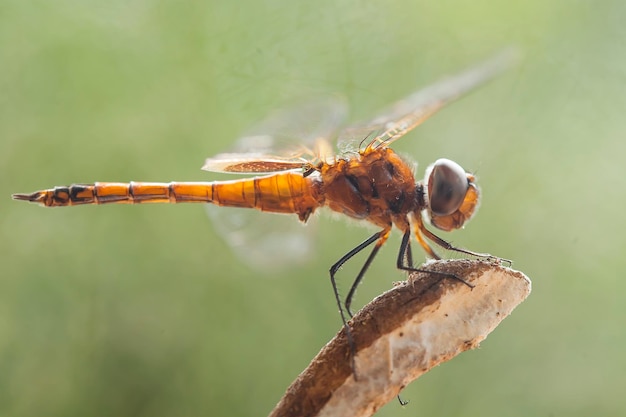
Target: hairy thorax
{"x": 376, "y": 185}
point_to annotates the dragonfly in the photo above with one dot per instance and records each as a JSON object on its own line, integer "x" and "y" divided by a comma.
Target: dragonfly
{"x": 367, "y": 180}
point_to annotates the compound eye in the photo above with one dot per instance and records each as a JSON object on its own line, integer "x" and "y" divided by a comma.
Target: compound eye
{"x": 447, "y": 186}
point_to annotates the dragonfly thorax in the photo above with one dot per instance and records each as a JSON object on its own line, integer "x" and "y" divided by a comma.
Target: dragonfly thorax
{"x": 376, "y": 185}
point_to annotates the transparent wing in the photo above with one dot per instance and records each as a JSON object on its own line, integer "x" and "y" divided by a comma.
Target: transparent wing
{"x": 286, "y": 139}
{"x": 265, "y": 241}
{"x": 404, "y": 115}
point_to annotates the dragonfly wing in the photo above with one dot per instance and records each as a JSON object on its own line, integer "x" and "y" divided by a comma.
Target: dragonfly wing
{"x": 288, "y": 129}
{"x": 247, "y": 163}
{"x": 264, "y": 241}
{"x": 286, "y": 139}
{"x": 404, "y": 115}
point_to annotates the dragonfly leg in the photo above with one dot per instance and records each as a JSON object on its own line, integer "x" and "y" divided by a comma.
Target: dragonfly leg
{"x": 419, "y": 223}
{"x": 409, "y": 255}
{"x": 381, "y": 237}
{"x": 403, "y": 256}
{"x": 448, "y": 246}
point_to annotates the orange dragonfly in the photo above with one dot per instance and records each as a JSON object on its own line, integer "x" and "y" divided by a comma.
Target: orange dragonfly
{"x": 366, "y": 181}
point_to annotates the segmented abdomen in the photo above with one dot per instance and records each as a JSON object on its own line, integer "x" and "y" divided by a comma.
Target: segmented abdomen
{"x": 287, "y": 192}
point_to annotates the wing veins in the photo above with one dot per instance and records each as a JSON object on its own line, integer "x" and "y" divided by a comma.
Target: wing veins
{"x": 252, "y": 164}
{"x": 404, "y": 115}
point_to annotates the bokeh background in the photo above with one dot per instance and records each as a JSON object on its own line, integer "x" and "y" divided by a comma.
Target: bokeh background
{"x": 145, "y": 311}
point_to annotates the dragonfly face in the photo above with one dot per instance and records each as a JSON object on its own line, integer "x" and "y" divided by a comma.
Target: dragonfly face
{"x": 368, "y": 181}
{"x": 452, "y": 195}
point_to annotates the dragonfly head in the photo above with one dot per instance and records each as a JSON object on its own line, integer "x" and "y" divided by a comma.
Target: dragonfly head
{"x": 452, "y": 195}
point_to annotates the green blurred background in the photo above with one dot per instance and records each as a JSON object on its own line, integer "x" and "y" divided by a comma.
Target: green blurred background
{"x": 144, "y": 311}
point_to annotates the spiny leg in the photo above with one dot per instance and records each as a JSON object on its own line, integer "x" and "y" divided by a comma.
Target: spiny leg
{"x": 419, "y": 223}
{"x": 333, "y": 272}
{"x": 409, "y": 255}
{"x": 384, "y": 235}
{"x": 447, "y": 245}
{"x": 402, "y": 256}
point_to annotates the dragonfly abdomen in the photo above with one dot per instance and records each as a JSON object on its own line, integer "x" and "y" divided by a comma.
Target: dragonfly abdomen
{"x": 118, "y": 193}
{"x": 287, "y": 192}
